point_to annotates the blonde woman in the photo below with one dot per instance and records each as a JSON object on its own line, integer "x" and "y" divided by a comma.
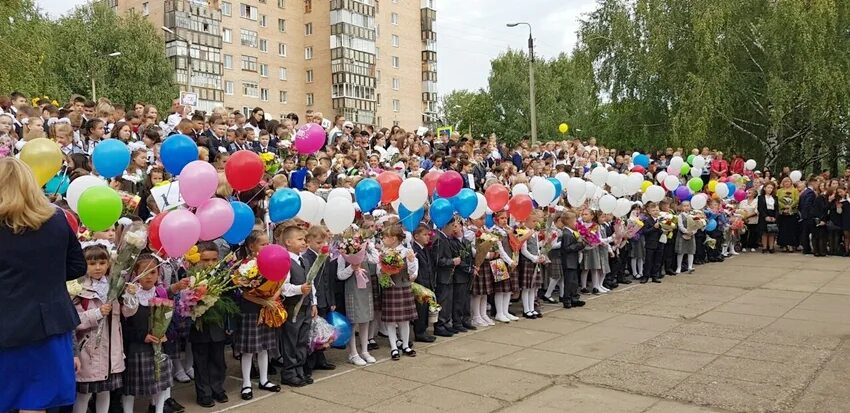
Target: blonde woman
{"x": 39, "y": 252}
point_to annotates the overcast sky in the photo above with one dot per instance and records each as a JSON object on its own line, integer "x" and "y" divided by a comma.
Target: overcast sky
{"x": 471, "y": 32}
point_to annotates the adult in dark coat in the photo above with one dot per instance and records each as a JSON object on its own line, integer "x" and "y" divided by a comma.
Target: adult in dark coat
{"x": 808, "y": 220}
{"x": 39, "y": 252}
{"x": 767, "y": 207}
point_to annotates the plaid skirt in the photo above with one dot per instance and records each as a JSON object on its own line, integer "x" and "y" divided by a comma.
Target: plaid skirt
{"x": 398, "y": 305}
{"x": 554, "y": 269}
{"x": 376, "y": 292}
{"x": 528, "y": 277}
{"x": 253, "y": 338}
{"x": 482, "y": 284}
{"x": 140, "y": 375}
{"x": 178, "y": 335}
{"x": 511, "y": 285}
{"x": 114, "y": 381}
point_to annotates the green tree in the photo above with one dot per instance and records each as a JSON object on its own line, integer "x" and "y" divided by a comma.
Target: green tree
{"x": 25, "y": 43}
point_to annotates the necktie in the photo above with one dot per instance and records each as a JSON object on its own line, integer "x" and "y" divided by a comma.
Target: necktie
{"x": 301, "y": 262}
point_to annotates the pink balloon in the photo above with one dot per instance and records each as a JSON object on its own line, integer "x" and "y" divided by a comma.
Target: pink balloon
{"x": 216, "y": 216}
{"x": 740, "y": 195}
{"x": 309, "y": 138}
{"x": 198, "y": 182}
{"x": 672, "y": 171}
{"x": 449, "y": 184}
{"x": 273, "y": 262}
{"x": 178, "y": 232}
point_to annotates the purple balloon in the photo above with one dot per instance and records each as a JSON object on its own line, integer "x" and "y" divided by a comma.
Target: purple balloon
{"x": 198, "y": 182}
{"x": 683, "y": 193}
{"x": 309, "y": 138}
{"x": 216, "y": 217}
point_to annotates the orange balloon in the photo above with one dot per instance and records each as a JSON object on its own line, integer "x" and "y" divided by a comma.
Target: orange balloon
{"x": 390, "y": 183}
{"x": 520, "y": 207}
{"x": 497, "y": 197}
{"x": 431, "y": 179}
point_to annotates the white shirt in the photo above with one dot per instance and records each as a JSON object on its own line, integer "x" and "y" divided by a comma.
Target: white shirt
{"x": 770, "y": 202}
{"x": 291, "y": 290}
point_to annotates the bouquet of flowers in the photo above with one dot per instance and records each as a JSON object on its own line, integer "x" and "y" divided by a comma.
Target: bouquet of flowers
{"x": 668, "y": 222}
{"x": 130, "y": 203}
{"x": 248, "y": 279}
{"x": 247, "y": 275}
{"x": 487, "y": 242}
{"x": 270, "y": 162}
{"x": 204, "y": 301}
{"x": 710, "y": 242}
{"x": 588, "y": 234}
{"x": 283, "y": 147}
{"x": 134, "y": 240}
{"x": 162, "y": 310}
{"x": 74, "y": 288}
{"x": 391, "y": 264}
{"x": 423, "y": 295}
{"x": 352, "y": 248}
{"x": 312, "y": 274}
{"x": 322, "y": 334}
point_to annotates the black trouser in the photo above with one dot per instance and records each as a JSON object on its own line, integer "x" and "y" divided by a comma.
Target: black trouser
{"x": 669, "y": 257}
{"x": 819, "y": 240}
{"x": 807, "y": 228}
{"x": 835, "y": 238}
{"x": 316, "y": 358}
{"x": 700, "y": 255}
{"x": 460, "y": 303}
{"x": 714, "y": 253}
{"x": 752, "y": 236}
{"x": 295, "y": 339}
{"x": 652, "y": 262}
{"x": 571, "y": 284}
{"x": 420, "y": 325}
{"x": 210, "y": 368}
{"x": 445, "y": 297}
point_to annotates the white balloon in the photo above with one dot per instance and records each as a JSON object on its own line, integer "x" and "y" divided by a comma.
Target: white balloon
{"x": 481, "y": 208}
{"x": 623, "y": 207}
{"x": 655, "y": 193}
{"x": 607, "y": 203}
{"x": 671, "y": 182}
{"x": 575, "y": 201}
{"x": 676, "y": 162}
{"x": 339, "y": 216}
{"x": 699, "y": 201}
{"x": 699, "y": 162}
{"x": 660, "y": 177}
{"x": 543, "y": 192}
{"x": 576, "y": 188}
{"x": 750, "y": 164}
{"x": 534, "y": 181}
{"x": 590, "y": 190}
{"x": 721, "y": 190}
{"x": 795, "y": 176}
{"x": 634, "y": 182}
{"x": 520, "y": 189}
{"x": 599, "y": 175}
{"x": 563, "y": 178}
{"x": 341, "y": 193}
{"x": 78, "y": 186}
{"x": 308, "y": 205}
{"x": 413, "y": 193}
{"x": 644, "y": 198}
{"x": 617, "y": 191}
{"x": 318, "y": 211}
{"x": 696, "y": 172}
{"x": 613, "y": 178}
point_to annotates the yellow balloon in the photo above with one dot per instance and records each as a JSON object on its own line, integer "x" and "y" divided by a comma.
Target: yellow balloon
{"x": 563, "y": 128}
{"x": 645, "y": 185}
{"x": 711, "y": 185}
{"x": 44, "y": 158}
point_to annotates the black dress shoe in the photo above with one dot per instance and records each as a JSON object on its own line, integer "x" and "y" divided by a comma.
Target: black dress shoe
{"x": 220, "y": 398}
{"x": 308, "y": 379}
{"x": 644, "y": 280}
{"x": 206, "y": 402}
{"x": 467, "y": 325}
{"x": 297, "y": 382}
{"x": 624, "y": 281}
{"x": 372, "y": 345}
{"x": 326, "y": 366}
{"x": 656, "y": 280}
{"x": 425, "y": 338}
{"x": 247, "y": 395}
{"x": 578, "y": 303}
{"x": 443, "y": 332}
{"x": 174, "y": 406}
{"x": 568, "y": 304}
{"x": 459, "y": 328}
{"x": 584, "y": 291}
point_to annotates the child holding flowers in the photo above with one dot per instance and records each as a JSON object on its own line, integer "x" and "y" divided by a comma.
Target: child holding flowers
{"x": 399, "y": 306}
{"x": 503, "y": 286}
{"x": 685, "y": 242}
{"x": 531, "y": 264}
{"x": 487, "y": 248}
{"x": 101, "y": 363}
{"x": 352, "y": 269}
{"x": 591, "y": 263}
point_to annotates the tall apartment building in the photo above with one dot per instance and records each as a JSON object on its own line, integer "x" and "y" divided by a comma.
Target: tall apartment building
{"x": 373, "y": 61}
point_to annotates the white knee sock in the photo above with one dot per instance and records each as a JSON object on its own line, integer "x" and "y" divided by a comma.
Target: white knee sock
{"x": 177, "y": 363}
{"x": 475, "y": 307}
{"x": 635, "y": 271}
{"x": 263, "y": 366}
{"x": 584, "y": 278}
{"x": 127, "y": 403}
{"x": 81, "y": 404}
{"x": 553, "y": 282}
{"x": 404, "y": 330}
{"x": 506, "y": 303}
{"x": 160, "y": 398}
{"x": 246, "y": 369}
{"x": 391, "y": 332}
{"x": 188, "y": 359}
{"x": 483, "y": 309}
{"x": 101, "y": 404}
{"x": 679, "y": 262}
{"x": 690, "y": 262}
{"x": 373, "y": 325}
{"x": 363, "y": 330}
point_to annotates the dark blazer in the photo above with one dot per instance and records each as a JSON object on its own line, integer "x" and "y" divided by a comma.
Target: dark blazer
{"x": 442, "y": 254}
{"x": 764, "y": 212}
{"x": 479, "y": 171}
{"x": 820, "y": 209}
{"x": 651, "y": 235}
{"x": 213, "y": 143}
{"x": 570, "y": 248}
{"x": 34, "y": 301}
{"x": 807, "y": 202}
{"x": 463, "y": 272}
{"x": 323, "y": 283}
{"x": 426, "y": 276}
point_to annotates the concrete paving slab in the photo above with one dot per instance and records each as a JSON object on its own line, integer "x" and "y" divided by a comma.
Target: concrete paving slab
{"x": 693, "y": 342}
{"x": 791, "y": 374}
{"x": 496, "y": 382}
{"x": 545, "y": 362}
{"x": 469, "y": 349}
{"x": 426, "y": 368}
{"x": 666, "y": 358}
{"x": 515, "y": 336}
{"x": 667, "y": 406}
{"x": 428, "y": 399}
{"x": 640, "y": 322}
{"x": 778, "y": 353}
{"x": 358, "y": 389}
{"x": 633, "y": 378}
{"x": 550, "y": 324}
{"x": 582, "y": 398}
{"x": 744, "y": 320}
{"x": 585, "y": 314}
{"x": 730, "y": 331}
{"x": 587, "y": 345}
{"x": 818, "y": 403}
{"x": 731, "y": 394}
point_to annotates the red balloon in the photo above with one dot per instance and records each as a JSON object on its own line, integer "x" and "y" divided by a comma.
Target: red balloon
{"x": 637, "y": 168}
{"x": 153, "y": 232}
{"x": 431, "y": 179}
{"x": 273, "y": 262}
{"x": 244, "y": 170}
{"x": 73, "y": 222}
{"x": 520, "y": 207}
{"x": 497, "y": 197}
{"x": 390, "y": 182}
{"x": 449, "y": 184}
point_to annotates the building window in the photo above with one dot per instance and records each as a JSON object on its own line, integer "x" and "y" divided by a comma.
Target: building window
{"x": 248, "y": 11}
{"x": 145, "y": 10}
{"x": 264, "y": 70}
{"x": 396, "y": 41}
{"x": 263, "y": 20}
{"x": 264, "y": 45}
{"x": 309, "y": 76}
{"x": 396, "y": 83}
{"x": 395, "y": 62}
{"x": 308, "y": 53}
{"x": 249, "y": 63}
{"x": 228, "y": 87}
{"x": 226, "y": 8}
{"x": 281, "y": 25}
{"x": 282, "y": 96}
{"x": 309, "y": 99}
{"x": 282, "y": 73}
{"x": 308, "y": 6}
{"x": 228, "y": 61}
{"x": 394, "y": 18}
{"x": 264, "y": 95}
{"x": 281, "y": 49}
{"x": 250, "y": 89}
{"x": 248, "y": 38}
{"x": 308, "y": 29}
{"x": 396, "y": 105}
{"x": 281, "y": 4}
{"x": 226, "y": 35}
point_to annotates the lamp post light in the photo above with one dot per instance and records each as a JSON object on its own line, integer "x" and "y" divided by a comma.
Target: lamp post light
{"x": 91, "y": 76}
{"x": 188, "y": 56}
{"x": 530, "y": 81}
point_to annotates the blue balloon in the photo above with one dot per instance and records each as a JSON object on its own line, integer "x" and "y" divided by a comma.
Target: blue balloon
{"x": 342, "y": 326}
{"x": 176, "y": 152}
{"x": 112, "y": 156}
{"x": 284, "y": 204}
{"x": 243, "y": 223}
{"x": 441, "y": 212}
{"x": 465, "y": 202}
{"x": 488, "y": 220}
{"x": 711, "y": 225}
{"x": 559, "y": 190}
{"x": 368, "y": 194}
{"x": 732, "y": 189}
{"x": 57, "y": 185}
{"x": 641, "y": 160}
{"x": 410, "y": 219}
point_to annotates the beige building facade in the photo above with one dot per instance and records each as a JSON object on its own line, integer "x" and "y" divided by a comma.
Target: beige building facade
{"x": 373, "y": 61}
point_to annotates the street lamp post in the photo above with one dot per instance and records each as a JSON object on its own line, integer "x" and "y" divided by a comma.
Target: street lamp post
{"x": 188, "y": 56}
{"x": 91, "y": 76}
{"x": 532, "y": 102}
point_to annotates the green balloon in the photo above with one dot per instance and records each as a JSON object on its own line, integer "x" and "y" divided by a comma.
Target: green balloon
{"x": 695, "y": 184}
{"x": 691, "y": 159}
{"x": 99, "y": 208}
{"x": 685, "y": 169}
